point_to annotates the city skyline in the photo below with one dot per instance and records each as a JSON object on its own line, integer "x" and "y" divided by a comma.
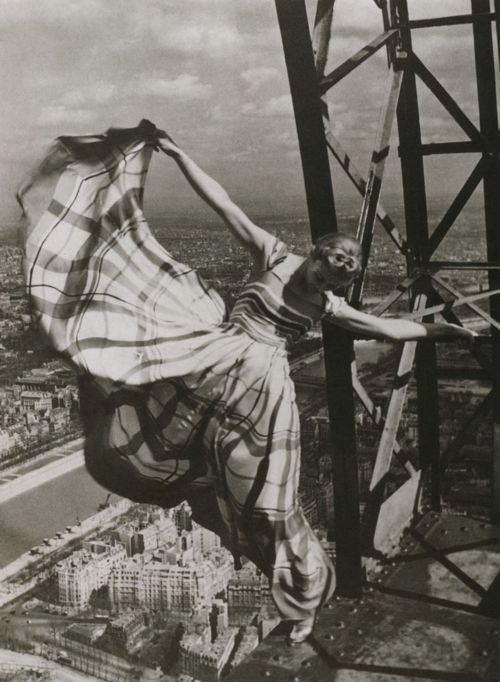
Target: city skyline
{"x": 215, "y": 78}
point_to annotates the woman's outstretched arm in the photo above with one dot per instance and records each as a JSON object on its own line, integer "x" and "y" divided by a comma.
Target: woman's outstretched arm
{"x": 253, "y": 238}
{"x": 394, "y": 328}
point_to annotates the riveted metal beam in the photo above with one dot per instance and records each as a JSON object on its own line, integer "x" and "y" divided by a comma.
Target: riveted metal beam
{"x": 488, "y": 124}
{"x": 338, "y": 344}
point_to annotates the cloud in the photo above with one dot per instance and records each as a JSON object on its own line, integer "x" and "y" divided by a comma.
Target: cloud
{"x": 192, "y": 38}
{"x": 54, "y": 13}
{"x": 276, "y": 106}
{"x": 58, "y": 114}
{"x": 256, "y": 77}
{"x": 184, "y": 32}
{"x": 279, "y": 105}
{"x": 185, "y": 87}
{"x": 96, "y": 93}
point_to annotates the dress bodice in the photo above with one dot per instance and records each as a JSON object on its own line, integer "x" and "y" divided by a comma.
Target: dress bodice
{"x": 269, "y": 310}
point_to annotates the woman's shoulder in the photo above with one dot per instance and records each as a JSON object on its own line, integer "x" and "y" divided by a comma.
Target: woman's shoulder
{"x": 285, "y": 267}
{"x": 276, "y": 252}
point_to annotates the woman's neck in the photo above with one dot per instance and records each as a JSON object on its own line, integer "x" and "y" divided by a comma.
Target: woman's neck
{"x": 300, "y": 284}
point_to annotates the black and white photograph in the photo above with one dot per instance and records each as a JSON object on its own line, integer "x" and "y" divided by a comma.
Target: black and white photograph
{"x": 249, "y": 340}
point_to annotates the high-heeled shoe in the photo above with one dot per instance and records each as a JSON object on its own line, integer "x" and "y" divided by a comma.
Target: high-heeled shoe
{"x": 301, "y": 630}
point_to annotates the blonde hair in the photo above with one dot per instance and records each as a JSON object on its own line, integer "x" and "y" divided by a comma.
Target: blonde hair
{"x": 347, "y": 263}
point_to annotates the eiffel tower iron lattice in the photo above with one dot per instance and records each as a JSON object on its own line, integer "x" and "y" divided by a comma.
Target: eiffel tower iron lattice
{"x": 428, "y": 292}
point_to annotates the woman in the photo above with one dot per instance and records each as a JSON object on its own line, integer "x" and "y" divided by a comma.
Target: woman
{"x": 285, "y": 296}
{"x": 180, "y": 401}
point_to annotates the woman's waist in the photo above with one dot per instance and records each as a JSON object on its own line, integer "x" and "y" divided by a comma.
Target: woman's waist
{"x": 258, "y": 333}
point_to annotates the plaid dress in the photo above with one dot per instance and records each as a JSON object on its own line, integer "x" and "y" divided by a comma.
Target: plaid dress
{"x": 179, "y": 401}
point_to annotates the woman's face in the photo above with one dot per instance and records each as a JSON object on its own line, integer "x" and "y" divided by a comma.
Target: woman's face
{"x": 320, "y": 277}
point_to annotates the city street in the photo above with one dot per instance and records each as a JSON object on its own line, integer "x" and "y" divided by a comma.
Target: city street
{"x": 11, "y": 661}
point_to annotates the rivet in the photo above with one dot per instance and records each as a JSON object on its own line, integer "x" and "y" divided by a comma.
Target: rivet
{"x": 277, "y": 657}
{"x": 359, "y": 632}
{"x": 443, "y": 531}
{"x": 354, "y": 609}
{"x": 306, "y": 664}
{"x": 330, "y": 636}
{"x": 485, "y": 652}
{"x": 464, "y": 529}
{"x": 340, "y": 624}
{"x": 494, "y": 631}
{"x": 267, "y": 673}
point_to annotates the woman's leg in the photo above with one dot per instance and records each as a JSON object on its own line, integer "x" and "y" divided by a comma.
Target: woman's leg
{"x": 301, "y": 575}
{"x": 256, "y": 466}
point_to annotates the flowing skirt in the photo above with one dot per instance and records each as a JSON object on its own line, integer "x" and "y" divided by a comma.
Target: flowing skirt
{"x": 225, "y": 439}
{"x": 177, "y": 403}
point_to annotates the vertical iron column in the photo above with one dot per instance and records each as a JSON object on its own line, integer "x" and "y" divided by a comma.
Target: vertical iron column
{"x": 488, "y": 121}
{"x": 412, "y": 168}
{"x": 338, "y": 344}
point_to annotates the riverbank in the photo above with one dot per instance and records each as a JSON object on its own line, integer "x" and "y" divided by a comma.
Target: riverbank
{"x": 36, "y": 558}
{"x": 54, "y": 463}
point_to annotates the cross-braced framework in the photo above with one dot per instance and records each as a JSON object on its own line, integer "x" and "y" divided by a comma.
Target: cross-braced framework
{"x": 428, "y": 291}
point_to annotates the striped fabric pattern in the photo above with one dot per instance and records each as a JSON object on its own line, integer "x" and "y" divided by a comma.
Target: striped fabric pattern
{"x": 179, "y": 401}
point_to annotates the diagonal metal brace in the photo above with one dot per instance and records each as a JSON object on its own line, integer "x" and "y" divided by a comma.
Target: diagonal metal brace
{"x": 475, "y": 308}
{"x": 350, "y": 64}
{"x": 375, "y": 413}
{"x": 464, "y": 300}
{"x": 359, "y": 182}
{"x": 475, "y": 351}
{"x": 373, "y": 186}
{"x": 457, "y": 205}
{"x": 398, "y": 291}
{"x": 395, "y": 409}
{"x": 448, "y": 102}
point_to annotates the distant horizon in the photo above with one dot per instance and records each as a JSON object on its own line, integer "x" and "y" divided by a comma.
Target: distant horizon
{"x": 196, "y": 210}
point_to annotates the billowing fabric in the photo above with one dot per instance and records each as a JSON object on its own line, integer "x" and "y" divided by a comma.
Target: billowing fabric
{"x": 179, "y": 401}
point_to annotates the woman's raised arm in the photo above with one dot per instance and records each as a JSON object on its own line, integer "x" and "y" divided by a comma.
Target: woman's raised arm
{"x": 255, "y": 240}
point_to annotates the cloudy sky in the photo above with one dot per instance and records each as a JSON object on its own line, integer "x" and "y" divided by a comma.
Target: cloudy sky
{"x": 212, "y": 73}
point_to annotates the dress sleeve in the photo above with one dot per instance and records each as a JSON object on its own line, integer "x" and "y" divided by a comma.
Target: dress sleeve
{"x": 332, "y": 304}
{"x": 275, "y": 253}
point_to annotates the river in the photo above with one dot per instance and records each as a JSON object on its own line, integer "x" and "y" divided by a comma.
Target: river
{"x": 28, "y": 518}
